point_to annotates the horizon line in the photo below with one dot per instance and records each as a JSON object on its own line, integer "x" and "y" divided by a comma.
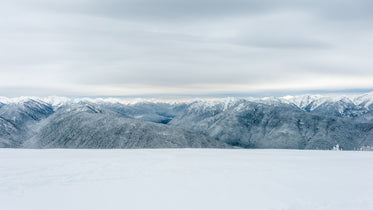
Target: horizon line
{"x": 215, "y": 95}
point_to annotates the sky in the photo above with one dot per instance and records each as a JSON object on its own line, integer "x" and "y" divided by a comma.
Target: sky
{"x": 184, "y": 47}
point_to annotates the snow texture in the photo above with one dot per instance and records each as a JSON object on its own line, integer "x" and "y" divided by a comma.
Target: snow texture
{"x": 198, "y": 179}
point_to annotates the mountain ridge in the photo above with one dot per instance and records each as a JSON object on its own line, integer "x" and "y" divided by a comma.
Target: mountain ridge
{"x": 298, "y": 122}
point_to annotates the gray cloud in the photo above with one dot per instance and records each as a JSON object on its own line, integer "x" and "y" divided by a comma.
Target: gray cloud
{"x": 113, "y": 47}
{"x": 181, "y": 9}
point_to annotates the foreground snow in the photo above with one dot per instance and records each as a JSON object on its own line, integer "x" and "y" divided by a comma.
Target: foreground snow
{"x": 192, "y": 179}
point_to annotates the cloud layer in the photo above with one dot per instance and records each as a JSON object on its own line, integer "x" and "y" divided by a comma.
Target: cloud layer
{"x": 136, "y": 47}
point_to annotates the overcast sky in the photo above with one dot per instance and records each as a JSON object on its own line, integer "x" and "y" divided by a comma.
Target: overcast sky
{"x": 202, "y": 47}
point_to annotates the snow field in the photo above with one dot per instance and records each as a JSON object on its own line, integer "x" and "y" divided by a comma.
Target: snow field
{"x": 190, "y": 179}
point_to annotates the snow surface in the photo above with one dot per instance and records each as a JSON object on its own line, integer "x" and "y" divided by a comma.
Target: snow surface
{"x": 192, "y": 179}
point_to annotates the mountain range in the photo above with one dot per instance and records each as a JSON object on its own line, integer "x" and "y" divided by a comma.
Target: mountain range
{"x": 294, "y": 122}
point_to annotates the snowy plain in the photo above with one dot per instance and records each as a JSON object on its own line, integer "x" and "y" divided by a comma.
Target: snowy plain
{"x": 190, "y": 179}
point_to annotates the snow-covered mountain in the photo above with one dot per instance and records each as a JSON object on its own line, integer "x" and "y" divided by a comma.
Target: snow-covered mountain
{"x": 85, "y": 125}
{"x": 258, "y": 125}
{"x": 7, "y": 133}
{"x": 357, "y": 107}
{"x": 304, "y": 122}
{"x": 25, "y": 110}
{"x": 17, "y": 117}
{"x": 146, "y": 111}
